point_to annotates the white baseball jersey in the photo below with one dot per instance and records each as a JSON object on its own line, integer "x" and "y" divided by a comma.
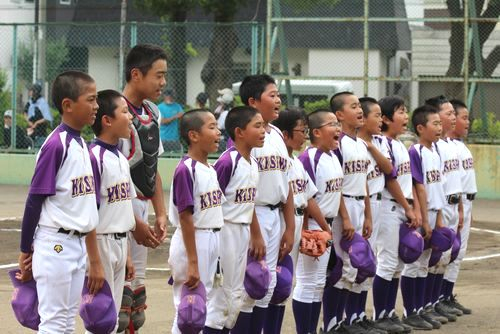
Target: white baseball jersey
{"x": 450, "y": 166}
{"x": 302, "y": 186}
{"x": 238, "y": 180}
{"x": 354, "y": 158}
{"x": 115, "y": 188}
{"x": 64, "y": 172}
{"x": 401, "y": 168}
{"x": 426, "y": 170}
{"x": 376, "y": 180}
{"x": 468, "y": 176}
{"x": 195, "y": 187}
{"x": 326, "y": 173}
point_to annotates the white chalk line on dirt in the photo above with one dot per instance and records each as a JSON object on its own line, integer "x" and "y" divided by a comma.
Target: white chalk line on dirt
{"x": 475, "y": 229}
{"x": 14, "y": 265}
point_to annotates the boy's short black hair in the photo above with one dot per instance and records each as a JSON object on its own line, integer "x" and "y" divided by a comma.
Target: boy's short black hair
{"x": 69, "y": 84}
{"x": 106, "y": 99}
{"x": 254, "y": 86}
{"x": 315, "y": 120}
{"x": 337, "y": 100}
{"x": 366, "y": 104}
{"x": 142, "y": 57}
{"x": 437, "y": 101}
{"x": 458, "y": 104}
{"x": 420, "y": 116}
{"x": 288, "y": 119}
{"x": 239, "y": 117}
{"x": 191, "y": 121}
{"x": 388, "y": 105}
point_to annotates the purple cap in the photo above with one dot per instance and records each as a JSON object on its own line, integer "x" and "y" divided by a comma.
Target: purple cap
{"x": 24, "y": 301}
{"x": 257, "y": 278}
{"x": 284, "y": 280}
{"x": 455, "y": 248}
{"x": 192, "y": 310}
{"x": 361, "y": 256}
{"x": 336, "y": 272}
{"x": 98, "y": 311}
{"x": 411, "y": 244}
{"x": 435, "y": 257}
{"x": 442, "y": 238}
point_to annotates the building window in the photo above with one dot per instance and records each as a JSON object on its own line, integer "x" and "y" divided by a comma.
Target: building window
{"x": 65, "y": 2}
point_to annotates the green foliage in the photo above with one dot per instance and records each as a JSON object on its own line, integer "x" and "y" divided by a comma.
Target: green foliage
{"x": 25, "y": 61}
{"x": 490, "y": 132}
{"x": 190, "y": 50}
{"x": 5, "y": 95}
{"x": 320, "y": 104}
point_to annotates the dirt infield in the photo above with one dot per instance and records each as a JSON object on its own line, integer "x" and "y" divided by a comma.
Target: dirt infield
{"x": 478, "y": 286}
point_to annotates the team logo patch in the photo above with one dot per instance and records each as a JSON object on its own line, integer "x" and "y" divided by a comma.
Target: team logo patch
{"x": 58, "y": 248}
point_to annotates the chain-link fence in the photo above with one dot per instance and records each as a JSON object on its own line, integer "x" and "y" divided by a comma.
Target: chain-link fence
{"x": 413, "y": 48}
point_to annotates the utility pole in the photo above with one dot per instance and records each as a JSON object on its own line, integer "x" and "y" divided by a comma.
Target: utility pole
{"x": 123, "y": 20}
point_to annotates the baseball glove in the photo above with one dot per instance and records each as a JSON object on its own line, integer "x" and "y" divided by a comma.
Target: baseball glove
{"x": 315, "y": 243}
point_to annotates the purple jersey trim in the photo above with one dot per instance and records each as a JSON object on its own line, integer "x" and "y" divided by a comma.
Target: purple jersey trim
{"x": 416, "y": 164}
{"x": 97, "y": 168}
{"x": 306, "y": 162}
{"x": 183, "y": 186}
{"x": 394, "y": 173}
{"x": 229, "y": 143}
{"x": 224, "y": 168}
{"x": 31, "y": 216}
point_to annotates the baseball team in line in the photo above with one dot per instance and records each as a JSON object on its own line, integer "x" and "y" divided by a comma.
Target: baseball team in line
{"x": 397, "y": 218}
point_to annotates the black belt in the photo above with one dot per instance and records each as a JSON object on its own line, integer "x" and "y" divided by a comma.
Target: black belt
{"x": 358, "y": 198}
{"x": 470, "y": 197}
{"x": 453, "y": 199}
{"x": 329, "y": 221}
{"x": 217, "y": 229}
{"x": 299, "y": 212}
{"x": 274, "y": 206}
{"x": 409, "y": 200}
{"x": 116, "y": 236}
{"x": 73, "y": 232}
{"x": 377, "y": 196}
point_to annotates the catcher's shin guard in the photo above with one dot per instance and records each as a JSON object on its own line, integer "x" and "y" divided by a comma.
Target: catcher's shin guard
{"x": 138, "y": 316}
{"x": 125, "y": 309}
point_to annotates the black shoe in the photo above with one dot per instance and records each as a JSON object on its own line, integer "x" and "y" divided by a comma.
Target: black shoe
{"x": 369, "y": 326}
{"x": 448, "y": 308}
{"x": 395, "y": 319}
{"x": 440, "y": 309}
{"x": 354, "y": 328}
{"x": 417, "y": 322}
{"x": 455, "y": 304}
{"x": 436, "y": 324}
{"x": 429, "y": 310}
{"x": 388, "y": 325}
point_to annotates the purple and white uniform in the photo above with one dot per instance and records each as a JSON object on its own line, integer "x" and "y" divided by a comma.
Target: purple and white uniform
{"x": 238, "y": 178}
{"x": 272, "y": 190}
{"x": 426, "y": 170}
{"x": 62, "y": 202}
{"x": 195, "y": 187}
{"x": 325, "y": 171}
{"x": 116, "y": 215}
{"x": 468, "y": 177}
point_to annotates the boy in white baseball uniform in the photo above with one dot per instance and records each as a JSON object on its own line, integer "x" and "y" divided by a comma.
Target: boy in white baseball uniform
{"x": 397, "y": 207}
{"x": 425, "y": 164}
{"x": 354, "y": 159}
{"x": 195, "y": 208}
{"x": 62, "y": 204}
{"x": 238, "y": 175}
{"x": 453, "y": 209}
{"x": 458, "y": 135}
{"x": 273, "y": 191}
{"x": 292, "y": 123}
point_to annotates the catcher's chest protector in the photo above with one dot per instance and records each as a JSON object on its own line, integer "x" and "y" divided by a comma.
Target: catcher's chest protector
{"x": 145, "y": 140}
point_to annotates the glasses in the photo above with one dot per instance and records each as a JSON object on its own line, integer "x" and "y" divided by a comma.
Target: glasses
{"x": 332, "y": 124}
{"x": 305, "y": 131}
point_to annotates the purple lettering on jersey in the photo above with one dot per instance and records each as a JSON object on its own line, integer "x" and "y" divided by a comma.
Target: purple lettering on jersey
{"x": 376, "y": 172}
{"x": 334, "y": 185}
{"x": 433, "y": 176}
{"x": 451, "y": 166}
{"x": 298, "y": 186}
{"x": 404, "y": 168}
{"x": 182, "y": 187}
{"x": 273, "y": 162}
{"x": 119, "y": 192}
{"x": 210, "y": 199}
{"x": 468, "y": 164}
{"x": 82, "y": 185}
{"x": 245, "y": 195}
{"x": 356, "y": 166}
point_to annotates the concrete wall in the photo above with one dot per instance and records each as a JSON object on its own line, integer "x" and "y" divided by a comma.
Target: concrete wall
{"x": 18, "y": 169}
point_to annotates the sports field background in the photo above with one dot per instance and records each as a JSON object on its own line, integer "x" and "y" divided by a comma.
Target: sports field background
{"x": 478, "y": 286}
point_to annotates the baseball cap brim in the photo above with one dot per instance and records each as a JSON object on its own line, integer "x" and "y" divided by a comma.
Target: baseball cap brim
{"x": 24, "y": 301}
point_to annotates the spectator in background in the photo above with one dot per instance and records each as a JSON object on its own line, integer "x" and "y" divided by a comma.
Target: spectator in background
{"x": 37, "y": 114}
{"x": 224, "y": 104}
{"x": 201, "y": 100}
{"x": 22, "y": 141}
{"x": 170, "y": 111}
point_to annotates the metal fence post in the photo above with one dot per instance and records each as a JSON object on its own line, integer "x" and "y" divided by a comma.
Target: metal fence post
{"x": 365, "y": 47}
{"x": 255, "y": 47}
{"x": 133, "y": 34}
{"x": 466, "y": 51}
{"x": 14, "y": 88}
{"x": 268, "y": 35}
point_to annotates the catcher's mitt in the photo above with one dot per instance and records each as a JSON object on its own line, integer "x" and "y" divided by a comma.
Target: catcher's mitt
{"x": 314, "y": 243}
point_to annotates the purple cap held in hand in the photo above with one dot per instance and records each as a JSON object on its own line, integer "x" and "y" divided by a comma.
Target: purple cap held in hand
{"x": 411, "y": 244}
{"x": 442, "y": 239}
{"x": 192, "y": 310}
{"x": 435, "y": 257}
{"x": 284, "y": 280}
{"x": 455, "y": 248}
{"x": 98, "y": 311}
{"x": 257, "y": 278}
{"x": 24, "y": 301}
{"x": 360, "y": 255}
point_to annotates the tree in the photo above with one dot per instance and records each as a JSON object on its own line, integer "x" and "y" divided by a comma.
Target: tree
{"x": 490, "y": 62}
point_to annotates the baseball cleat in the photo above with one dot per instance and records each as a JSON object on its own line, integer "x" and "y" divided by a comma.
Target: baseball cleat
{"x": 417, "y": 322}
{"x": 450, "y": 309}
{"x": 369, "y": 326}
{"x": 442, "y": 311}
{"x": 395, "y": 319}
{"x": 388, "y": 325}
{"x": 429, "y": 310}
{"x": 436, "y": 324}
{"x": 453, "y": 302}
